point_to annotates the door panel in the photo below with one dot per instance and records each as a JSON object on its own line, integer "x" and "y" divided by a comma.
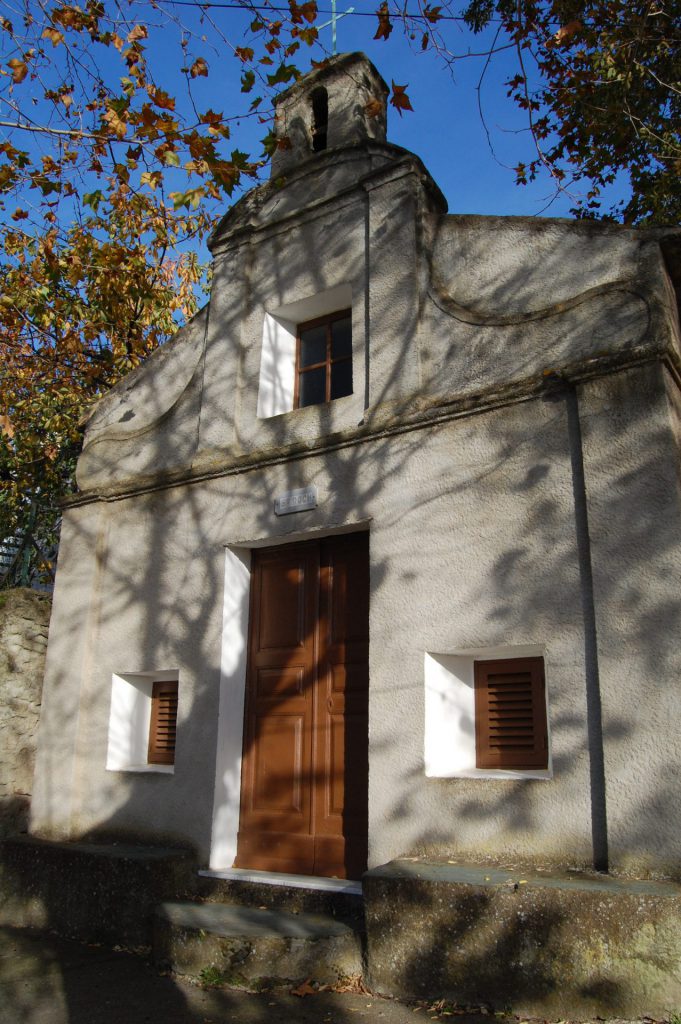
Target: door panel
{"x": 282, "y": 619}
{"x": 278, "y": 765}
{"x": 305, "y": 763}
{"x": 279, "y": 683}
{"x": 344, "y": 642}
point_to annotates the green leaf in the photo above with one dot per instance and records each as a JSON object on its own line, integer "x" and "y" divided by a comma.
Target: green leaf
{"x": 239, "y": 159}
{"x": 93, "y": 199}
{"x": 247, "y": 81}
{"x": 269, "y": 143}
{"x": 283, "y": 74}
{"x": 179, "y": 199}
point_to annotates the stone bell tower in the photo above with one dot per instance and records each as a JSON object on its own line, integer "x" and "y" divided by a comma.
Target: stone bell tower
{"x": 340, "y": 104}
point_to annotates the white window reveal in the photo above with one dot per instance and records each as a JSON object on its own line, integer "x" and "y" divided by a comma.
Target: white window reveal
{"x": 142, "y": 721}
{"x": 279, "y": 382}
{"x": 455, "y": 739}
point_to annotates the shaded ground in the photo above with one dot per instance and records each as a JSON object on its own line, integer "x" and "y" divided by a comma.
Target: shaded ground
{"x": 48, "y": 980}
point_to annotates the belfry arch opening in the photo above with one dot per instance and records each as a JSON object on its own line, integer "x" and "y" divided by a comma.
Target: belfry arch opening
{"x": 320, "y": 119}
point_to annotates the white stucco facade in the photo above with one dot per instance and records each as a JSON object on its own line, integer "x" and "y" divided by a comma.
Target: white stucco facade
{"x": 511, "y": 446}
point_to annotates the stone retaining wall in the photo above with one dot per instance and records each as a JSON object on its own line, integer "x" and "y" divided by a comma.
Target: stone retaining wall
{"x": 24, "y": 621}
{"x": 574, "y": 945}
{"x": 91, "y": 892}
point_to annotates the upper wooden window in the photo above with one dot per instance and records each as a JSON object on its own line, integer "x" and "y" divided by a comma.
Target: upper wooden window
{"x": 510, "y": 714}
{"x": 163, "y": 722}
{"x": 324, "y": 359}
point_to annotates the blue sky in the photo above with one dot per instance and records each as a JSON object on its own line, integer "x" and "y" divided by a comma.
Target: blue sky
{"x": 472, "y": 166}
{"x": 445, "y": 129}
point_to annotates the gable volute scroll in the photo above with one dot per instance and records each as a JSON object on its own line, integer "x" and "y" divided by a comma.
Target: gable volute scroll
{"x": 144, "y": 428}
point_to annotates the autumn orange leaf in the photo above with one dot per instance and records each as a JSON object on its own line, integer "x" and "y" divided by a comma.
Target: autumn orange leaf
{"x": 308, "y": 11}
{"x": 139, "y": 32}
{"x": 161, "y": 98}
{"x": 199, "y": 68}
{"x": 565, "y": 34}
{"x": 117, "y": 125}
{"x": 385, "y": 26}
{"x": 54, "y": 35}
{"x": 304, "y": 989}
{"x": 19, "y": 70}
{"x": 432, "y": 14}
{"x": 400, "y": 99}
{"x": 151, "y": 178}
{"x": 70, "y": 17}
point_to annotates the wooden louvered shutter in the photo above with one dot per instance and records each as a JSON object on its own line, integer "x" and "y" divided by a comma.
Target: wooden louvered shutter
{"x": 163, "y": 722}
{"x": 510, "y": 714}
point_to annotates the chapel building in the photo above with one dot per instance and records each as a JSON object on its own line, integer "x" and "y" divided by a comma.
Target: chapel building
{"x": 379, "y": 555}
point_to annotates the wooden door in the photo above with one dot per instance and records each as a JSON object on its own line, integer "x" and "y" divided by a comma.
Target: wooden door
{"x": 305, "y": 762}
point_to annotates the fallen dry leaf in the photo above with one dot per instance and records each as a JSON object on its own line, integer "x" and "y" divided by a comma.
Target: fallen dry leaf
{"x": 304, "y": 989}
{"x": 351, "y": 984}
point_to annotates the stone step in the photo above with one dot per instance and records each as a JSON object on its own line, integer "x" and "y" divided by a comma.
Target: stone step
{"x": 254, "y": 947}
{"x": 333, "y": 897}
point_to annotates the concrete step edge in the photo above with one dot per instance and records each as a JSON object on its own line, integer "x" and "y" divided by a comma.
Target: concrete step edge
{"x": 233, "y": 920}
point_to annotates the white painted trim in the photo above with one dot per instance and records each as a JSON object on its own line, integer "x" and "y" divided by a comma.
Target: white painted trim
{"x": 129, "y": 721}
{"x": 294, "y": 536}
{"x": 277, "y": 367}
{"x": 278, "y": 351}
{"x": 449, "y": 736}
{"x": 231, "y": 707}
{"x": 290, "y": 881}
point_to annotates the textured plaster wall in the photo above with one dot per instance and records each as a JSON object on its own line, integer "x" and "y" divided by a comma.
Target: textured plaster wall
{"x": 24, "y": 619}
{"x": 631, "y": 459}
{"x": 473, "y": 544}
{"x": 476, "y": 551}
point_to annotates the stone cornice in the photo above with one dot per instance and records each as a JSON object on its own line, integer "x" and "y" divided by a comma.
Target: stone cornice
{"x": 387, "y": 420}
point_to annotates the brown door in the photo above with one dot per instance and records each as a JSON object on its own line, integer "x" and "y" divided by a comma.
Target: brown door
{"x": 305, "y": 763}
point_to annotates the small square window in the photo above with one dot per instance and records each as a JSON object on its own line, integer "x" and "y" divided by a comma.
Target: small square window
{"x": 510, "y": 714}
{"x": 143, "y": 721}
{"x": 324, "y": 359}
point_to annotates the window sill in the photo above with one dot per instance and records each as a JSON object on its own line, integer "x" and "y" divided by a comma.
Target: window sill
{"x": 159, "y": 769}
{"x": 500, "y": 774}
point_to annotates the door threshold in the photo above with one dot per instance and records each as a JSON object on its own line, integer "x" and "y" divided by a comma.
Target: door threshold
{"x": 343, "y": 885}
